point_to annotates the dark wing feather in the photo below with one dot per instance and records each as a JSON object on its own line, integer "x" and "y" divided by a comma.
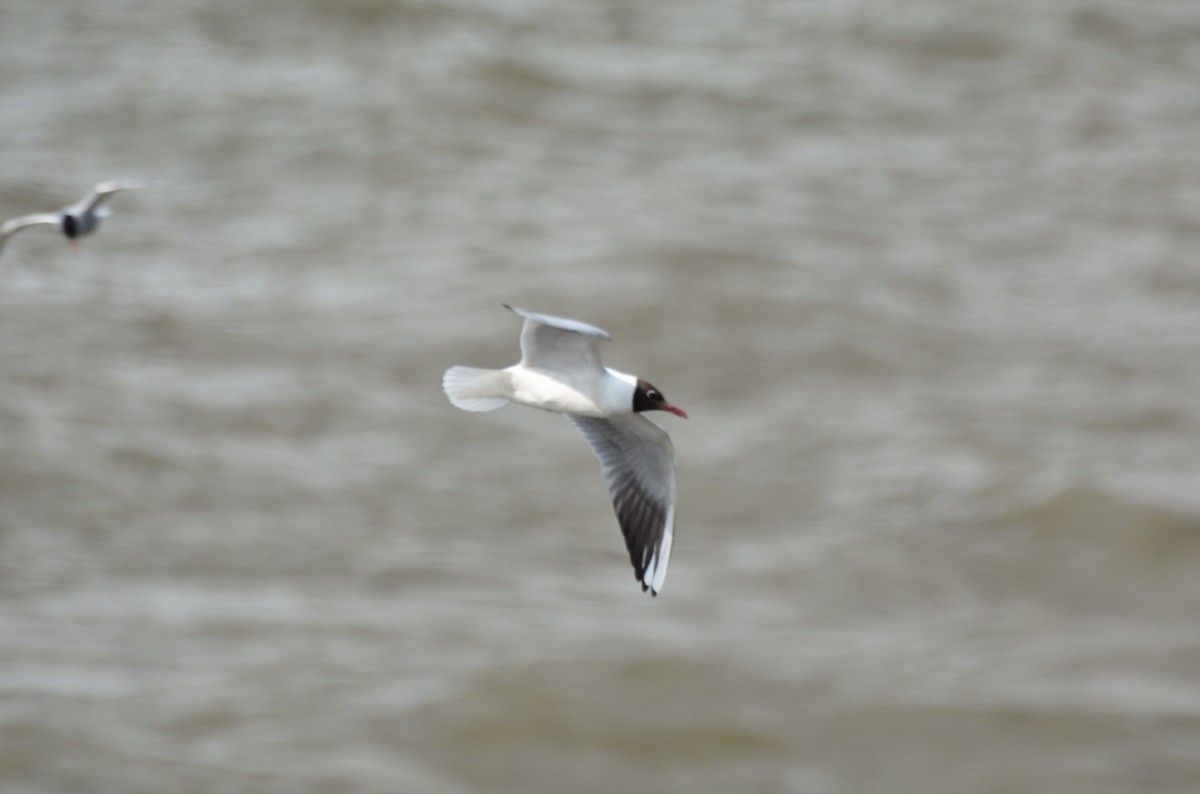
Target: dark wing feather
{"x": 638, "y": 461}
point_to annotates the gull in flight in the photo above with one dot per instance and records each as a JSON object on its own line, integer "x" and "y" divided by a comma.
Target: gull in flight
{"x": 76, "y": 220}
{"x": 560, "y": 371}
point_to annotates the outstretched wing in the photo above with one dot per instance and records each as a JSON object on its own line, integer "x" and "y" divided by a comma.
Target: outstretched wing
{"x": 102, "y": 191}
{"x": 556, "y": 343}
{"x": 638, "y": 461}
{"x": 11, "y": 227}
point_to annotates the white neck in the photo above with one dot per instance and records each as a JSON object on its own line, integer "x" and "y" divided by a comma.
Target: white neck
{"x": 618, "y": 396}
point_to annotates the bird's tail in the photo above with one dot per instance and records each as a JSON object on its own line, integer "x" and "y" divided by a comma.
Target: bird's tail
{"x": 474, "y": 389}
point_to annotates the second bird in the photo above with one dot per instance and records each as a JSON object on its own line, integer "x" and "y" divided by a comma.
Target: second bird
{"x": 560, "y": 371}
{"x": 76, "y": 220}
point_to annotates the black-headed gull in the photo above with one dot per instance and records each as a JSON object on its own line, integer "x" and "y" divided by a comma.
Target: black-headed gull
{"x": 560, "y": 371}
{"x": 76, "y": 220}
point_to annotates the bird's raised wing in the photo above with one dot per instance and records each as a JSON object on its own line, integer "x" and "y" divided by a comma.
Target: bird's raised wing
{"x": 638, "y": 461}
{"x": 556, "y": 343}
{"x": 102, "y": 191}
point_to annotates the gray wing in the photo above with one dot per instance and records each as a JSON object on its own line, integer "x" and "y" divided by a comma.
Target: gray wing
{"x": 638, "y": 461}
{"x": 556, "y": 343}
{"x": 102, "y": 191}
{"x": 11, "y": 227}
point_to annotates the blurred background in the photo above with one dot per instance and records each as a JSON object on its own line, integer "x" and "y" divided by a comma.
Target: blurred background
{"x": 924, "y": 275}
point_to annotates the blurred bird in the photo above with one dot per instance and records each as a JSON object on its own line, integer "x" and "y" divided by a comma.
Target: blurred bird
{"x": 560, "y": 371}
{"x": 76, "y": 220}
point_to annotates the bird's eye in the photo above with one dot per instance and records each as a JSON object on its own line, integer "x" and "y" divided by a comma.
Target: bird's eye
{"x": 652, "y": 394}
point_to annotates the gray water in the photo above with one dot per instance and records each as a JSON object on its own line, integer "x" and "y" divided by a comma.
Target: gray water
{"x": 923, "y": 274}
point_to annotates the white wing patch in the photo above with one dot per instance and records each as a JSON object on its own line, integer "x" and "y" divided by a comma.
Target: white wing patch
{"x": 656, "y": 569}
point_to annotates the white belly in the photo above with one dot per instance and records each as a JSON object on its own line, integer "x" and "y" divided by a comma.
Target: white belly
{"x": 582, "y": 395}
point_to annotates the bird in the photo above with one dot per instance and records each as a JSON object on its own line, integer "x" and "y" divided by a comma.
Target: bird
{"x": 560, "y": 371}
{"x": 75, "y": 220}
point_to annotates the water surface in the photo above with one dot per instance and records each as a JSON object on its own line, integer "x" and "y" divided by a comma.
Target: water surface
{"x": 923, "y": 275}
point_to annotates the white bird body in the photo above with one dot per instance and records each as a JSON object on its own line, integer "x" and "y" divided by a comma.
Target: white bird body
{"x": 582, "y": 394}
{"x": 560, "y": 371}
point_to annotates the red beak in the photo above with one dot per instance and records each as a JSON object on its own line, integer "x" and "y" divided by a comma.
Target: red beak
{"x": 672, "y": 409}
{"x": 73, "y": 244}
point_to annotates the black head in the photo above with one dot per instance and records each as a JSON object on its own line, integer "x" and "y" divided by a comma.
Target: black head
{"x": 70, "y": 226}
{"x": 648, "y": 398}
